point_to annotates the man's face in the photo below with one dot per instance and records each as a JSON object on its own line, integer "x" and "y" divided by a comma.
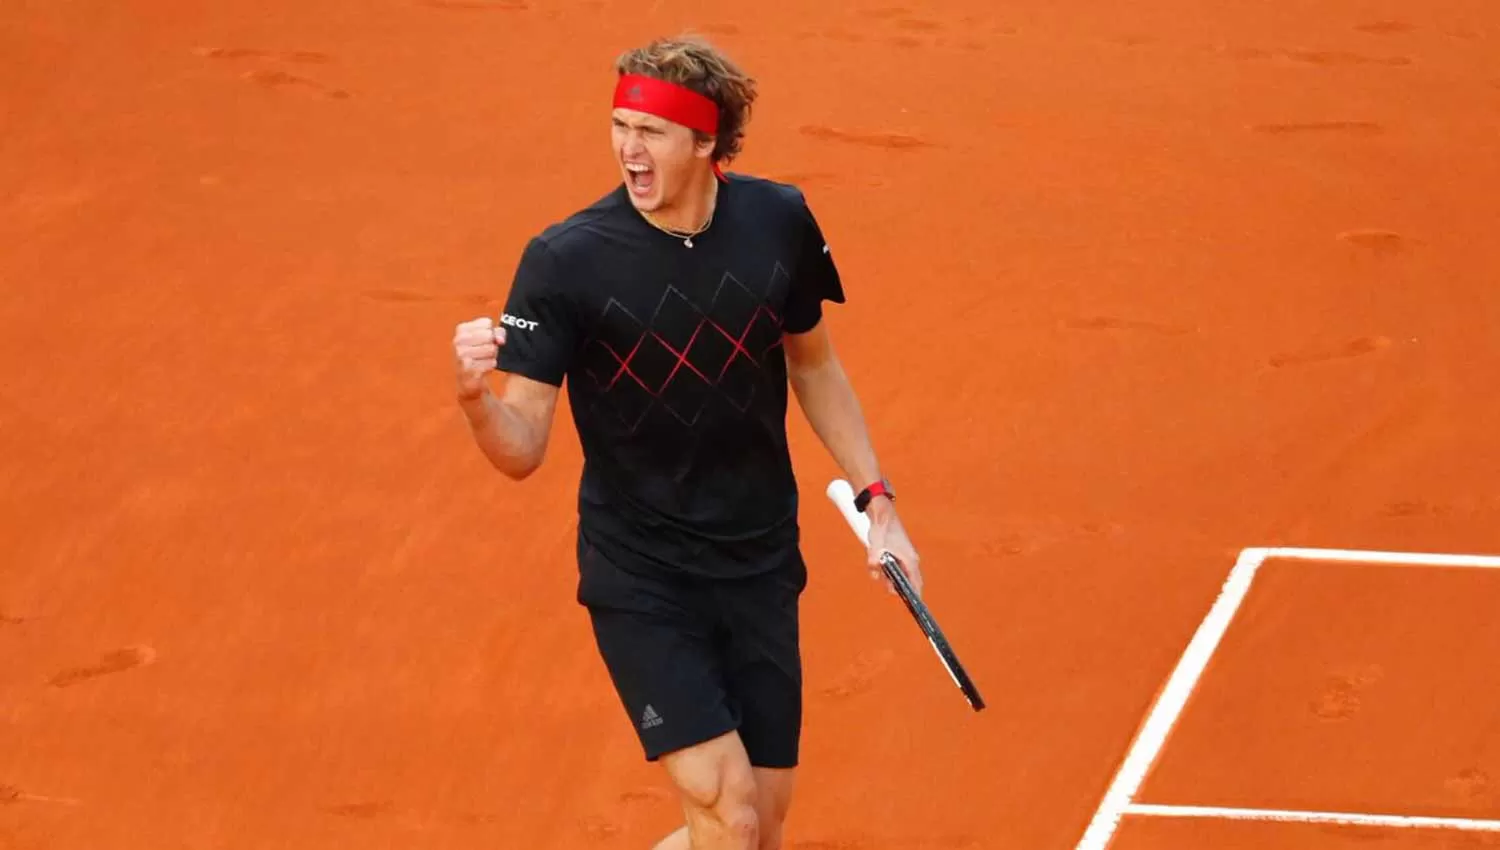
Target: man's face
{"x": 658, "y": 158}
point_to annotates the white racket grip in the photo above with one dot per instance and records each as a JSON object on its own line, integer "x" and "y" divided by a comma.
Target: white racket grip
{"x": 841, "y": 493}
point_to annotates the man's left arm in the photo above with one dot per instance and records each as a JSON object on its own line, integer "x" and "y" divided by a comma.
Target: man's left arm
{"x": 832, "y": 408}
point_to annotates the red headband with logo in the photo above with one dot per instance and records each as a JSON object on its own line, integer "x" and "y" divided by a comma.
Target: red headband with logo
{"x": 675, "y": 103}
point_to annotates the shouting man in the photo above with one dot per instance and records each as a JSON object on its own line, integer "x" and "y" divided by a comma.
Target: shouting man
{"x": 679, "y": 308}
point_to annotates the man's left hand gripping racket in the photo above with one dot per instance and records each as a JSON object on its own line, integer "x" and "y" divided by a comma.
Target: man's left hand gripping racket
{"x": 842, "y": 495}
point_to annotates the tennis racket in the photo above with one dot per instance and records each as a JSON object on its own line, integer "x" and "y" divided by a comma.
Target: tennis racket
{"x": 842, "y": 495}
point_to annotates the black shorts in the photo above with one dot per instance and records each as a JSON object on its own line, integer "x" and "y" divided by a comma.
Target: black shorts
{"x": 692, "y": 658}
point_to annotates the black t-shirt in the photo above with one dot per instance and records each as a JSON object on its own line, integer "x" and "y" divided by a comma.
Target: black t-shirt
{"x": 675, "y": 371}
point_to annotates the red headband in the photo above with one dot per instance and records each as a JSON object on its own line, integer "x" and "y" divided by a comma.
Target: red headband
{"x": 667, "y": 100}
{"x": 675, "y": 103}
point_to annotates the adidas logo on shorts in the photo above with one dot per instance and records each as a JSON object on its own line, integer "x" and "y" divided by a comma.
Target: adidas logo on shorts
{"x": 650, "y": 718}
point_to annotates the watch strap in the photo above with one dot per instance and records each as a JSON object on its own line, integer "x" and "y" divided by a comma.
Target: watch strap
{"x": 879, "y": 488}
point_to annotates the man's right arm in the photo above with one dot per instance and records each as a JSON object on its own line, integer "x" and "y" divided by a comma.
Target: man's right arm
{"x": 512, "y": 429}
{"x": 540, "y": 320}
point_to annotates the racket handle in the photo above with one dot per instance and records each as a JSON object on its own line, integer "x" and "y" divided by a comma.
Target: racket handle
{"x": 841, "y": 493}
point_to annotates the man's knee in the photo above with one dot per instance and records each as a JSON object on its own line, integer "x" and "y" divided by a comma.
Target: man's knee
{"x": 728, "y": 799}
{"x": 713, "y": 781}
{"x": 741, "y": 824}
{"x": 730, "y": 817}
{"x": 717, "y": 784}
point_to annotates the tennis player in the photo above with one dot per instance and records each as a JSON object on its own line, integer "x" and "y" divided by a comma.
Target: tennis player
{"x": 679, "y": 307}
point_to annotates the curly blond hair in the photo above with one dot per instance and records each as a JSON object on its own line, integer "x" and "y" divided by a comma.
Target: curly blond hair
{"x": 691, "y": 61}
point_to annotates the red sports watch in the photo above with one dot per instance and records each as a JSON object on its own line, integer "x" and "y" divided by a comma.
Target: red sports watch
{"x": 879, "y": 488}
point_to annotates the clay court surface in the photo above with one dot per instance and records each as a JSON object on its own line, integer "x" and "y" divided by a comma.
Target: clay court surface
{"x": 1133, "y": 286}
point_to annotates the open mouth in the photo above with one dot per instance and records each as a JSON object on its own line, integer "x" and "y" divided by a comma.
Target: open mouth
{"x": 641, "y": 177}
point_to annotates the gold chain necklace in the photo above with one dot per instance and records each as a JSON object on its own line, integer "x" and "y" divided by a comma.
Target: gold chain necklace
{"x": 686, "y": 237}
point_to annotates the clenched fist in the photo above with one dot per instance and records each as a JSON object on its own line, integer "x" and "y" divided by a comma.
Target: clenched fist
{"x": 476, "y": 345}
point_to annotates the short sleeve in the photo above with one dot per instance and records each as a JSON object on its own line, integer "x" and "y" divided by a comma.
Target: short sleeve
{"x": 541, "y": 325}
{"x": 815, "y": 277}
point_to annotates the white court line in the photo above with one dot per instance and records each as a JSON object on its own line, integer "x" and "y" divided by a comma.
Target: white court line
{"x": 1413, "y": 559}
{"x": 1174, "y": 696}
{"x": 1282, "y": 816}
{"x": 1119, "y": 800}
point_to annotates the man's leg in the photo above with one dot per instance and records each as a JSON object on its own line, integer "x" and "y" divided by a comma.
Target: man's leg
{"x": 676, "y": 841}
{"x": 659, "y": 640}
{"x": 763, "y": 673}
{"x": 716, "y": 787}
{"x": 773, "y": 798}
{"x": 773, "y": 795}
